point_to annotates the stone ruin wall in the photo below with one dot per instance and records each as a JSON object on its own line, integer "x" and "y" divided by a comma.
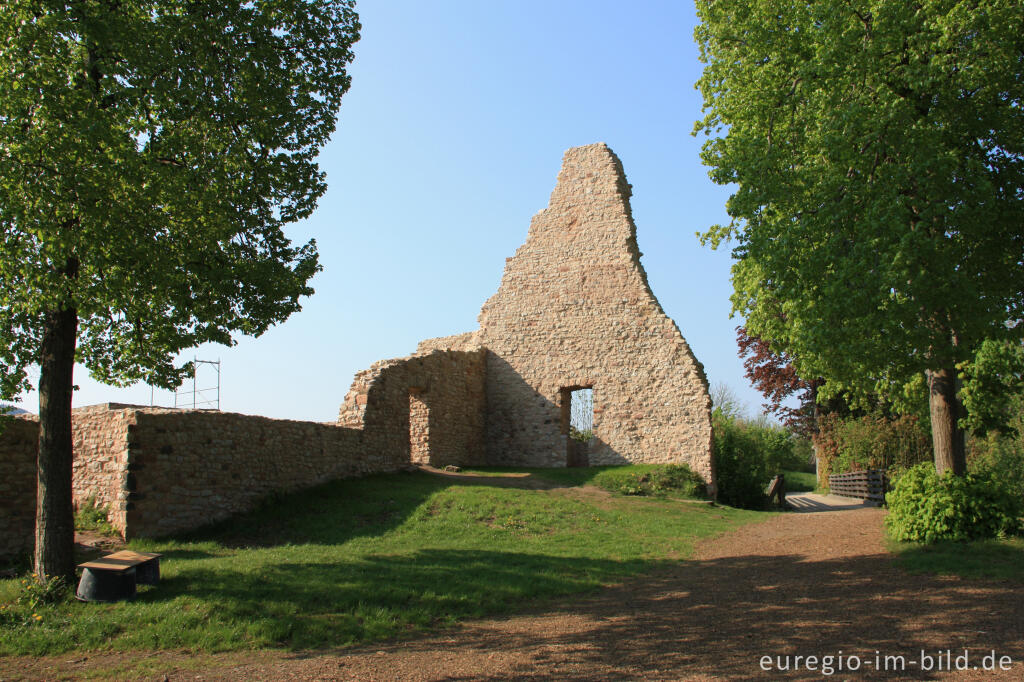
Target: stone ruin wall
{"x": 18, "y": 442}
{"x": 188, "y": 468}
{"x": 574, "y": 310}
{"x": 161, "y": 471}
{"x": 99, "y": 468}
{"x": 445, "y": 388}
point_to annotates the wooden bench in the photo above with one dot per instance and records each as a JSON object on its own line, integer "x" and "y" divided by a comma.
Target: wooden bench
{"x": 777, "y": 490}
{"x": 115, "y": 576}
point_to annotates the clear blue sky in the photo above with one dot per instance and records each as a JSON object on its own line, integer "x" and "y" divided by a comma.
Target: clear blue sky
{"x": 447, "y": 144}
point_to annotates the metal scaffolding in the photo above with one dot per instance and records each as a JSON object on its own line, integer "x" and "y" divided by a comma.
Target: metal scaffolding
{"x": 201, "y": 398}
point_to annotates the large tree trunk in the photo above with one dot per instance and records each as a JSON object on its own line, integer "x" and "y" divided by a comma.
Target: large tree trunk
{"x": 55, "y": 527}
{"x": 947, "y": 436}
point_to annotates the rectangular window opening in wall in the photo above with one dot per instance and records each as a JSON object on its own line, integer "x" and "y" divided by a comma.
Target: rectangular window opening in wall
{"x": 419, "y": 427}
{"x": 577, "y": 423}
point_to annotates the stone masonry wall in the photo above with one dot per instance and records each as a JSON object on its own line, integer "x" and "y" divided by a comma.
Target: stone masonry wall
{"x": 187, "y": 468}
{"x": 18, "y": 442}
{"x": 161, "y": 471}
{"x": 99, "y": 469}
{"x": 574, "y": 310}
{"x": 447, "y": 385}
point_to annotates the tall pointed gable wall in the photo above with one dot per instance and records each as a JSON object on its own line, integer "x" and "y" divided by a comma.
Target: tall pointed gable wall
{"x": 574, "y": 309}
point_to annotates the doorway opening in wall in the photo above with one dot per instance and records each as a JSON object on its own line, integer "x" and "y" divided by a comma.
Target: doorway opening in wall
{"x": 577, "y": 423}
{"x": 419, "y": 427}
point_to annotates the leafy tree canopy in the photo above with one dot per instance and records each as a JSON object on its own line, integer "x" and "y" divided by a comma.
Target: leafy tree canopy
{"x": 992, "y": 386}
{"x": 877, "y": 150}
{"x": 774, "y": 376}
{"x": 151, "y": 152}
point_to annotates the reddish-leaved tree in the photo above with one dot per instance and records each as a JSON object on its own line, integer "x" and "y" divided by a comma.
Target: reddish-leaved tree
{"x": 774, "y": 376}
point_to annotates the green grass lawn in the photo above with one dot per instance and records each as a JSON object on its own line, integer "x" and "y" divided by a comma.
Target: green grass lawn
{"x": 800, "y": 482}
{"x": 369, "y": 559}
{"x": 1001, "y": 559}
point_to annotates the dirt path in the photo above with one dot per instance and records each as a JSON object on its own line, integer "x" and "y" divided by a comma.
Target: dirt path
{"x": 797, "y": 584}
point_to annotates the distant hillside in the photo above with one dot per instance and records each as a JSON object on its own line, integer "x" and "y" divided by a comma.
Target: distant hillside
{"x": 11, "y": 409}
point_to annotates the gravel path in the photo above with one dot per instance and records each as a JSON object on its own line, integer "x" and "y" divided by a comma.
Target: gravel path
{"x": 797, "y": 584}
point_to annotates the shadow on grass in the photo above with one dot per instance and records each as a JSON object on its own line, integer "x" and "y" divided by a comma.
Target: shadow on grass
{"x": 1000, "y": 559}
{"x": 681, "y": 619}
{"x": 719, "y": 615}
{"x": 330, "y": 514}
{"x": 370, "y": 559}
{"x": 340, "y": 511}
{"x": 304, "y": 604}
{"x": 322, "y": 567}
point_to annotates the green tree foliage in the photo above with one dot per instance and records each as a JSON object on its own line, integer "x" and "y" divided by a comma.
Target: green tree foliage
{"x": 992, "y": 386}
{"x": 1001, "y": 453}
{"x": 747, "y": 455}
{"x": 151, "y": 153}
{"x": 740, "y": 466}
{"x": 877, "y": 150}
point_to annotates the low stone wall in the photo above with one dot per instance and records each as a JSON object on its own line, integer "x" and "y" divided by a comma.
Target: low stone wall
{"x": 18, "y": 442}
{"x": 161, "y": 471}
{"x": 187, "y": 468}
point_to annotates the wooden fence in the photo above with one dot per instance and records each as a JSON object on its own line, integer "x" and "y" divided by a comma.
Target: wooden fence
{"x": 872, "y": 485}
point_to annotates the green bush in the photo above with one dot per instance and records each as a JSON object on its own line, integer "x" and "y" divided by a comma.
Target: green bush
{"x": 999, "y": 454}
{"x": 926, "y": 507}
{"x": 92, "y": 516}
{"x": 741, "y": 462}
{"x": 1002, "y": 452}
{"x": 655, "y": 479}
{"x": 803, "y": 455}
